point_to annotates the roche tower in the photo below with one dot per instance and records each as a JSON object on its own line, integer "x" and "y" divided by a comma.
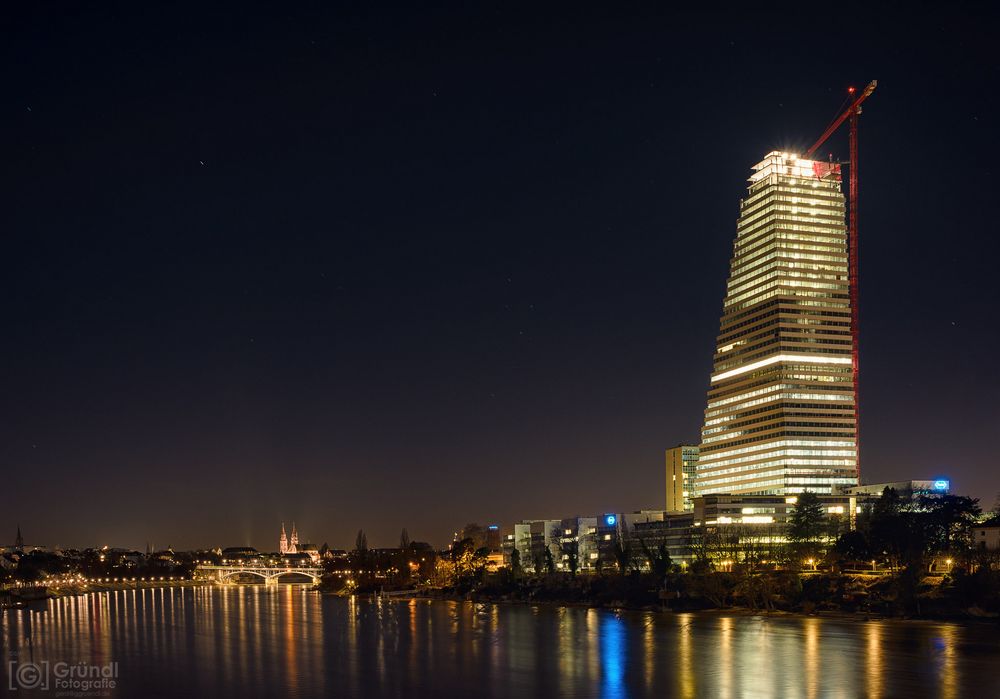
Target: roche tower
{"x": 780, "y": 417}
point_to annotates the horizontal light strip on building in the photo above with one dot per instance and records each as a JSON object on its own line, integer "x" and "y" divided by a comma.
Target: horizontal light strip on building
{"x": 800, "y": 358}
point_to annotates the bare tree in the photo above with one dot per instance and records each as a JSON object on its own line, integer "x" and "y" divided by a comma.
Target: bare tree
{"x": 658, "y": 557}
{"x": 621, "y": 547}
{"x": 568, "y": 546}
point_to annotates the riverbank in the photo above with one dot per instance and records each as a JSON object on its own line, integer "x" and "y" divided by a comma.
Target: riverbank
{"x": 734, "y": 611}
{"x": 17, "y": 597}
{"x": 832, "y": 595}
{"x": 446, "y": 595}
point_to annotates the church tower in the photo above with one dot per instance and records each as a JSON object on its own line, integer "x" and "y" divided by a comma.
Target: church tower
{"x": 293, "y": 546}
{"x": 283, "y": 541}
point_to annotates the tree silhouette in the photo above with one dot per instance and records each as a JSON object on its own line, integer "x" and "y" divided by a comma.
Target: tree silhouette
{"x": 515, "y": 562}
{"x": 621, "y": 547}
{"x": 658, "y": 557}
{"x": 806, "y": 524}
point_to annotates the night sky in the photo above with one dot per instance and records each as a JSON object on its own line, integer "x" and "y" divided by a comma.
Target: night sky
{"x": 386, "y": 268}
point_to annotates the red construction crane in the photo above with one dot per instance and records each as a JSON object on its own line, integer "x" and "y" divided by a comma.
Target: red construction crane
{"x": 852, "y": 113}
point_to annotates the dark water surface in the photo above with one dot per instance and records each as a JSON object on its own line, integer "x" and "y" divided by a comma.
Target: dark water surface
{"x": 256, "y": 641}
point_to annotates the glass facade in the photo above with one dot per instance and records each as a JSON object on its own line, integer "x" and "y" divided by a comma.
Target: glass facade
{"x": 780, "y": 417}
{"x": 682, "y": 465}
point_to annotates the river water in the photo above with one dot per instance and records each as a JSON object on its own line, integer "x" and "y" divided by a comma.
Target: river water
{"x": 285, "y": 641}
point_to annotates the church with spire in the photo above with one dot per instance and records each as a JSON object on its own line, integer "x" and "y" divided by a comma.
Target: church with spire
{"x": 286, "y": 545}
{"x": 290, "y": 546}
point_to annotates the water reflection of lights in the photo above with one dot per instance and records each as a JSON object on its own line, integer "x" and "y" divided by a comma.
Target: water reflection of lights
{"x": 591, "y": 630}
{"x": 612, "y": 642}
{"x": 726, "y": 670}
{"x": 253, "y": 640}
{"x": 812, "y": 659}
{"x": 686, "y": 672}
{"x": 649, "y": 645}
{"x": 873, "y": 655}
{"x": 566, "y": 656}
{"x": 946, "y": 646}
{"x": 291, "y": 671}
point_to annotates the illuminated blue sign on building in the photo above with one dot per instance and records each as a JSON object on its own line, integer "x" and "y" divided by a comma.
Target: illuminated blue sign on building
{"x": 942, "y": 484}
{"x": 610, "y": 520}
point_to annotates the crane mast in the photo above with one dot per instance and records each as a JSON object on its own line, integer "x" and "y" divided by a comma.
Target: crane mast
{"x": 851, "y": 114}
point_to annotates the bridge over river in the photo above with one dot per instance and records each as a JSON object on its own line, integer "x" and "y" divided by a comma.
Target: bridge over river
{"x": 270, "y": 574}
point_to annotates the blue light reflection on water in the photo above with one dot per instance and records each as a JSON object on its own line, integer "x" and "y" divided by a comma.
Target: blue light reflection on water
{"x": 613, "y": 656}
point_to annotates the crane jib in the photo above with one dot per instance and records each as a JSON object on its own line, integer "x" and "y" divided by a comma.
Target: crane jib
{"x": 853, "y": 109}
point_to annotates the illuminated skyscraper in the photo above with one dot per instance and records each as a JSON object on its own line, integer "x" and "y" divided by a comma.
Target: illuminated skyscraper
{"x": 780, "y": 416}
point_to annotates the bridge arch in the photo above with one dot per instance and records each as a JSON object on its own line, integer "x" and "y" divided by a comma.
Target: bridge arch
{"x": 226, "y": 576}
{"x": 312, "y": 576}
{"x": 270, "y": 574}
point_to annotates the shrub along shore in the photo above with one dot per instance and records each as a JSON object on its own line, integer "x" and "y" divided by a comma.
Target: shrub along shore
{"x": 903, "y": 594}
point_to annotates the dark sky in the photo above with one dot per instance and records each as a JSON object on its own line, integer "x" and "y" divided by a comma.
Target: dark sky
{"x": 374, "y": 267}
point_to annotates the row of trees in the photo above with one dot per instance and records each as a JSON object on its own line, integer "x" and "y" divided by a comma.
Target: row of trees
{"x": 465, "y": 564}
{"x": 370, "y": 568}
{"x": 900, "y": 533}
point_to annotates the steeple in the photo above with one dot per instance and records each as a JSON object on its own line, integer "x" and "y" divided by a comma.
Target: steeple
{"x": 283, "y": 541}
{"x": 293, "y": 546}
{"x": 19, "y": 541}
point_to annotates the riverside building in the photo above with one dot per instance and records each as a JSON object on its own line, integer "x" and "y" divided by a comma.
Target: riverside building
{"x": 682, "y": 464}
{"x": 780, "y": 417}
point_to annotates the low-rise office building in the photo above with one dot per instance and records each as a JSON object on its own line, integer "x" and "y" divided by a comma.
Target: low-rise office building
{"x": 720, "y": 526}
{"x": 753, "y": 529}
{"x": 712, "y": 510}
{"x": 987, "y": 535}
{"x": 576, "y": 538}
{"x": 563, "y": 539}
{"x": 675, "y": 531}
{"x": 632, "y": 531}
{"x": 905, "y": 489}
{"x": 532, "y": 537}
{"x": 908, "y": 491}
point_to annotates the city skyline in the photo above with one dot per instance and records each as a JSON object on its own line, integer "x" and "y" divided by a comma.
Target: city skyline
{"x": 415, "y": 269}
